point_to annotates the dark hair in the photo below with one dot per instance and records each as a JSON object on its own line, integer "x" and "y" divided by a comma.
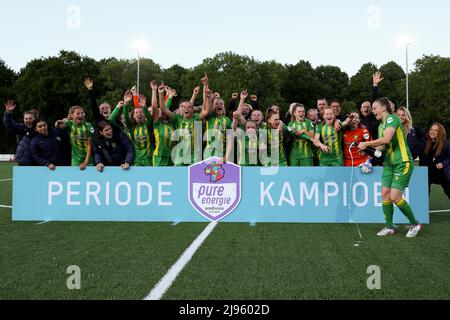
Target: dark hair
{"x": 35, "y": 122}
{"x": 270, "y": 113}
{"x": 102, "y": 125}
{"x": 386, "y": 103}
{"x": 335, "y": 100}
{"x": 296, "y": 106}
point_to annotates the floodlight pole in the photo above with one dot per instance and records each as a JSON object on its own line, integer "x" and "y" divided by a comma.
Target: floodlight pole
{"x": 138, "y": 70}
{"x": 407, "y": 76}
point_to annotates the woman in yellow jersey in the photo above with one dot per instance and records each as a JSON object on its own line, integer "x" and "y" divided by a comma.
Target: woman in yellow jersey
{"x": 329, "y": 132}
{"x": 398, "y": 166}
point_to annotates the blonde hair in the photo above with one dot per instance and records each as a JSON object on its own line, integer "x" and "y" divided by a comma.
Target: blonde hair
{"x": 409, "y": 122}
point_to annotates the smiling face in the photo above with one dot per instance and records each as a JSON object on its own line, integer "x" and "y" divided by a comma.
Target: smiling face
{"x": 336, "y": 108}
{"x": 250, "y": 128}
{"x": 41, "y": 128}
{"x": 187, "y": 109}
{"x": 312, "y": 115}
{"x": 257, "y": 117}
{"x": 28, "y": 119}
{"x": 356, "y": 121}
{"x": 78, "y": 116}
{"x": 245, "y": 110}
{"x": 402, "y": 115}
{"x": 377, "y": 110}
{"x": 139, "y": 116}
{"x": 329, "y": 116}
{"x": 365, "y": 109}
{"x": 299, "y": 114}
{"x": 433, "y": 133}
{"x": 321, "y": 104}
{"x": 107, "y": 132}
{"x": 274, "y": 121}
{"x": 105, "y": 110}
{"x": 219, "y": 107}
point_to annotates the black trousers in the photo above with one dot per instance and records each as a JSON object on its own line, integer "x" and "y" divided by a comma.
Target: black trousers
{"x": 441, "y": 180}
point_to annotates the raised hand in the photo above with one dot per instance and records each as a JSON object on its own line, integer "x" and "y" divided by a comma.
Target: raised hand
{"x": 134, "y": 91}
{"x": 205, "y": 79}
{"x": 234, "y": 95}
{"x": 244, "y": 94}
{"x": 236, "y": 115}
{"x": 10, "y": 106}
{"x": 196, "y": 90}
{"x": 377, "y": 78}
{"x": 121, "y": 104}
{"x": 172, "y": 93}
{"x": 128, "y": 96}
{"x": 142, "y": 101}
{"x": 161, "y": 89}
{"x": 154, "y": 85}
{"x": 89, "y": 83}
{"x": 253, "y": 97}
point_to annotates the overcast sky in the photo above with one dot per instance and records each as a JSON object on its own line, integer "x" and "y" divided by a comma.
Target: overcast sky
{"x": 325, "y": 32}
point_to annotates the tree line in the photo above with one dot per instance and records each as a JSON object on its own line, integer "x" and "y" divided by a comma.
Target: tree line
{"x": 53, "y": 84}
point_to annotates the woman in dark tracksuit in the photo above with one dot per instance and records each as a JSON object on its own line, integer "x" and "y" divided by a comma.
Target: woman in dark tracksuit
{"x": 435, "y": 154}
{"x": 50, "y": 148}
{"x": 111, "y": 148}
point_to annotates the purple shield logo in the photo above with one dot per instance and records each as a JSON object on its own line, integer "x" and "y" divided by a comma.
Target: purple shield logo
{"x": 214, "y": 188}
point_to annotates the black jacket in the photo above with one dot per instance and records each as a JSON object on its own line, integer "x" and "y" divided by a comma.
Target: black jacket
{"x": 415, "y": 139}
{"x": 19, "y": 129}
{"x": 113, "y": 152}
{"x": 51, "y": 149}
{"x": 430, "y": 160}
{"x": 23, "y": 151}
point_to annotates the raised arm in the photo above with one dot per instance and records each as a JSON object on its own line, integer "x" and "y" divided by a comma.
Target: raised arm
{"x": 89, "y": 83}
{"x": 116, "y": 112}
{"x": 244, "y": 95}
{"x": 376, "y": 80}
{"x": 195, "y": 94}
{"x": 164, "y": 109}
{"x": 8, "y": 120}
{"x": 128, "y": 99}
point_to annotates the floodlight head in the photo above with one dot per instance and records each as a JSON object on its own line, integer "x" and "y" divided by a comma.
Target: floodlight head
{"x": 140, "y": 45}
{"x": 405, "y": 40}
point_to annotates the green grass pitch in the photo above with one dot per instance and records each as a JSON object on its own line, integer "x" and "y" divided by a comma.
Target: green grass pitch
{"x": 237, "y": 261}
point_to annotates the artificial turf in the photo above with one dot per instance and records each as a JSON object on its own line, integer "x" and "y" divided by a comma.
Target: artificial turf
{"x": 237, "y": 261}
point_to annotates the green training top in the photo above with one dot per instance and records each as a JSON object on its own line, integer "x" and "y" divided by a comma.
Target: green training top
{"x": 141, "y": 137}
{"x": 79, "y": 136}
{"x": 331, "y": 138}
{"x": 397, "y": 151}
{"x": 302, "y": 148}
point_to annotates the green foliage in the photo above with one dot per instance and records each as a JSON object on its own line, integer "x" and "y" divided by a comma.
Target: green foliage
{"x": 430, "y": 91}
{"x": 7, "y": 79}
{"x": 53, "y": 84}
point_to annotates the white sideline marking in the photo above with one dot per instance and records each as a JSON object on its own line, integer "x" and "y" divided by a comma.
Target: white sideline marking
{"x": 436, "y": 211}
{"x": 44, "y": 222}
{"x": 165, "y": 283}
{"x": 3, "y": 180}
{"x": 8, "y": 207}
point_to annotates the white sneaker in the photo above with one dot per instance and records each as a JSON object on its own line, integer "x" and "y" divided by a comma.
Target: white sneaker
{"x": 414, "y": 230}
{"x": 387, "y": 232}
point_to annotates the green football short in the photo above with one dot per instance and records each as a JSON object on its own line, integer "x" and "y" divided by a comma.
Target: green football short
{"x": 397, "y": 176}
{"x": 162, "y": 161}
{"x": 331, "y": 161}
{"x": 300, "y": 162}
